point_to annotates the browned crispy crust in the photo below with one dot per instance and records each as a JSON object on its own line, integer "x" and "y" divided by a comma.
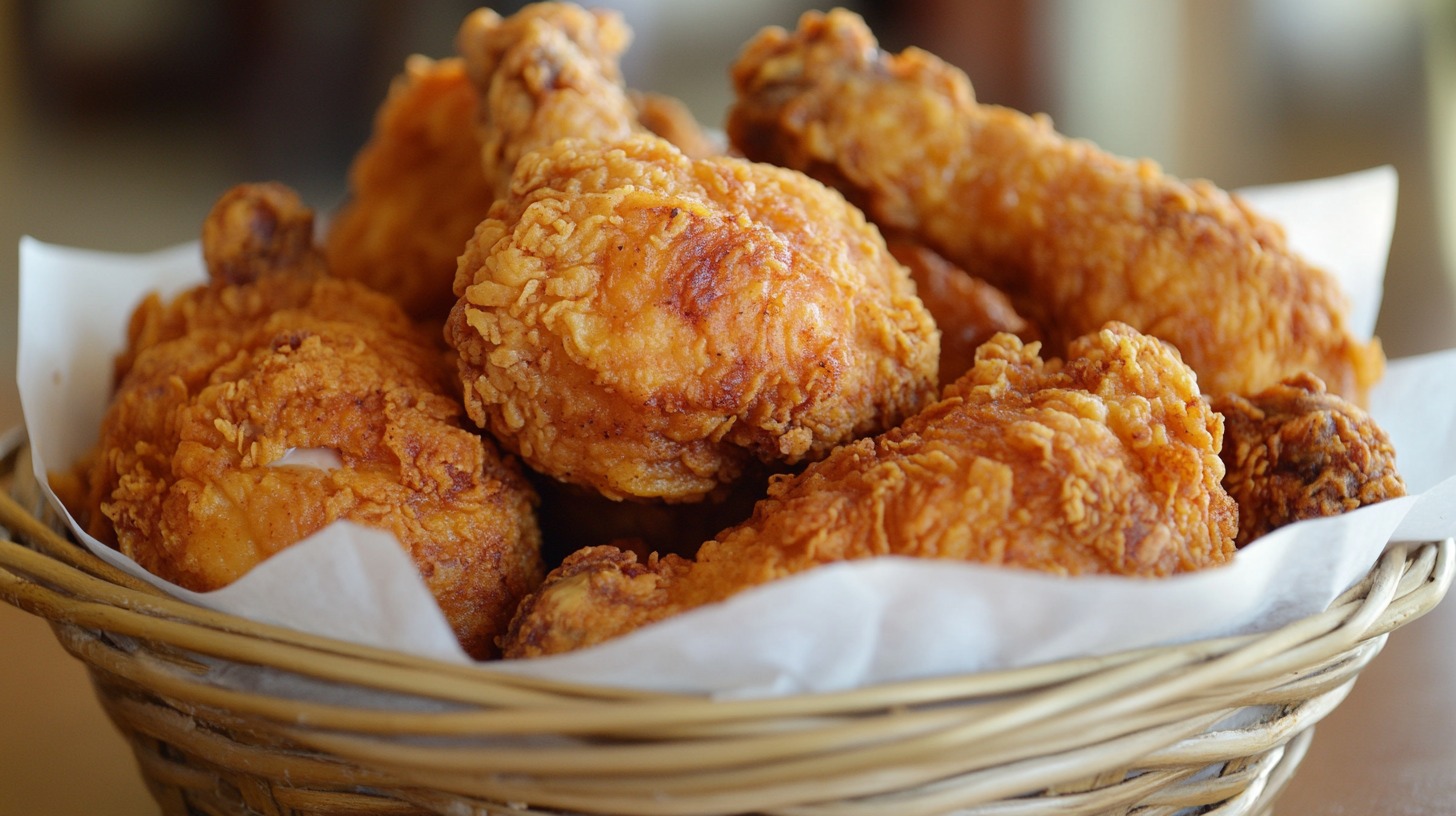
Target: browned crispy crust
{"x": 1074, "y": 235}
{"x": 1295, "y": 451}
{"x": 967, "y": 310}
{"x": 643, "y": 324}
{"x": 1105, "y": 464}
{"x": 270, "y": 356}
{"x": 416, "y": 191}
{"x": 443, "y": 148}
{"x": 550, "y": 71}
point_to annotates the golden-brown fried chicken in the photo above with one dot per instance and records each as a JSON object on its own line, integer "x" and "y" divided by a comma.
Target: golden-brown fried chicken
{"x": 644, "y": 324}
{"x": 968, "y": 311}
{"x": 550, "y": 71}
{"x": 669, "y": 118}
{"x": 1073, "y": 234}
{"x": 416, "y": 191}
{"x": 1107, "y": 463}
{"x": 227, "y": 392}
{"x": 424, "y": 180}
{"x": 1295, "y": 451}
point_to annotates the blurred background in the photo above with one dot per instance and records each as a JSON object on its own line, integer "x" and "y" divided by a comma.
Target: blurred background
{"x": 121, "y": 122}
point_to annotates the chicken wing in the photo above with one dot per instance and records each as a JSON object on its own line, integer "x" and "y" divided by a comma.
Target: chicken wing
{"x": 1107, "y": 463}
{"x": 257, "y": 408}
{"x": 1074, "y": 235}
{"x": 1295, "y": 451}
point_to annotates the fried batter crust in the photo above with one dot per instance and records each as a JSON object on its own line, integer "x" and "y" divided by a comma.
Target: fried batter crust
{"x": 416, "y": 191}
{"x": 550, "y": 71}
{"x": 643, "y": 324}
{"x": 1295, "y": 451}
{"x": 192, "y": 477}
{"x": 967, "y": 310}
{"x": 1105, "y": 464}
{"x": 438, "y": 156}
{"x": 1074, "y": 235}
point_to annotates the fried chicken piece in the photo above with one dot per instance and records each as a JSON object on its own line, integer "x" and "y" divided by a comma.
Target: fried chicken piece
{"x": 968, "y": 311}
{"x": 1074, "y": 235}
{"x": 230, "y": 390}
{"x": 416, "y": 191}
{"x": 644, "y": 324}
{"x": 1295, "y": 451}
{"x": 1107, "y": 463}
{"x": 668, "y": 117}
{"x": 550, "y": 71}
{"x": 424, "y": 180}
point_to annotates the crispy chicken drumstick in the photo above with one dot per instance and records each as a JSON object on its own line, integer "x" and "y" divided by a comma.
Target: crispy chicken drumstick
{"x": 442, "y": 149}
{"x": 645, "y": 324}
{"x": 1074, "y": 235}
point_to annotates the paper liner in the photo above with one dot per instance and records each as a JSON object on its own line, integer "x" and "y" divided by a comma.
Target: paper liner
{"x": 839, "y": 626}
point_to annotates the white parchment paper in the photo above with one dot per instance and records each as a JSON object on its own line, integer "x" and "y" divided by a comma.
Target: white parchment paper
{"x": 839, "y": 626}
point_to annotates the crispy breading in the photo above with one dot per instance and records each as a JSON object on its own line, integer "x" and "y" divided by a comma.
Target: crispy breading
{"x": 438, "y": 156}
{"x": 416, "y": 191}
{"x": 967, "y": 310}
{"x": 644, "y": 324}
{"x": 550, "y": 71}
{"x": 1105, "y": 464}
{"x": 202, "y": 471}
{"x": 1074, "y": 235}
{"x": 1295, "y": 451}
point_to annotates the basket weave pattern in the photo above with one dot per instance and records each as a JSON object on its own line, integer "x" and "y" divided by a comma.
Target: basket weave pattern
{"x": 1215, "y": 726}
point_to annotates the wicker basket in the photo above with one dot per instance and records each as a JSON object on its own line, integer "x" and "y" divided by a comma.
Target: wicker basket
{"x": 1215, "y": 726}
